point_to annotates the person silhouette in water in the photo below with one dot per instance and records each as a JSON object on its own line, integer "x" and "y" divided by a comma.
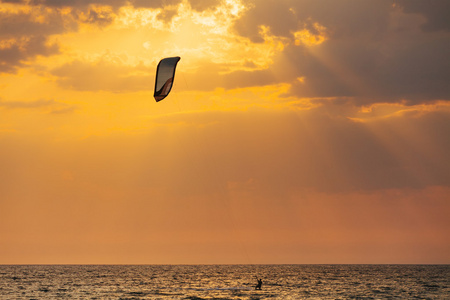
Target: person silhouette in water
{"x": 258, "y": 286}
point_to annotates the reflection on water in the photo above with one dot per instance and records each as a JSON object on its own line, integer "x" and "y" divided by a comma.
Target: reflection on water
{"x": 225, "y": 282}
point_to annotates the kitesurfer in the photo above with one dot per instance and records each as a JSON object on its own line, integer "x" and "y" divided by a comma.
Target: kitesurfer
{"x": 258, "y": 286}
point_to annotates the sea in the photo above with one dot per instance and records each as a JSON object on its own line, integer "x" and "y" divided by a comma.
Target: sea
{"x": 224, "y": 282}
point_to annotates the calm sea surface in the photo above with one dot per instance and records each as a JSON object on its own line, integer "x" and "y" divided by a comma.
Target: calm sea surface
{"x": 225, "y": 282}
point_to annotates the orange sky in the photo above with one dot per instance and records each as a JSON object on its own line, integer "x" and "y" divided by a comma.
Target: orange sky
{"x": 296, "y": 132}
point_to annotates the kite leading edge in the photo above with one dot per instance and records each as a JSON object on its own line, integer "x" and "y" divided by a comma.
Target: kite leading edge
{"x": 165, "y": 75}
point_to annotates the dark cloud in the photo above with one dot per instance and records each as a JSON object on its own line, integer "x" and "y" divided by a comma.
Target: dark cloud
{"x": 79, "y": 3}
{"x": 24, "y": 24}
{"x": 23, "y": 37}
{"x": 201, "y": 5}
{"x": 10, "y": 58}
{"x": 198, "y": 5}
{"x": 413, "y": 70}
{"x": 154, "y": 4}
{"x": 374, "y": 51}
{"x": 167, "y": 15}
{"x": 98, "y": 17}
{"x": 436, "y": 12}
{"x": 19, "y": 52}
{"x": 82, "y": 11}
{"x": 344, "y": 18}
{"x": 14, "y": 1}
{"x": 104, "y": 76}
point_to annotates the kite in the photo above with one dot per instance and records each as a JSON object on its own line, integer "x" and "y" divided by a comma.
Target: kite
{"x": 165, "y": 75}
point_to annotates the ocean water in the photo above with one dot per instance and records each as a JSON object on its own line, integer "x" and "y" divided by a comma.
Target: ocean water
{"x": 224, "y": 281}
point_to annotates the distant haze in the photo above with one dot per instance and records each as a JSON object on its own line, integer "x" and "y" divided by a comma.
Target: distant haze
{"x": 306, "y": 131}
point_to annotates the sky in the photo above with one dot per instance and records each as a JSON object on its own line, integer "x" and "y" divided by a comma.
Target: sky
{"x": 296, "y": 132}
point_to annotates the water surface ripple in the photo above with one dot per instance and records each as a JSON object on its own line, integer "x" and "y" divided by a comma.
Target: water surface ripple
{"x": 224, "y": 282}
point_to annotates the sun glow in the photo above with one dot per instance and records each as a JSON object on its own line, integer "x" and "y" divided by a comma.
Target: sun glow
{"x": 200, "y": 36}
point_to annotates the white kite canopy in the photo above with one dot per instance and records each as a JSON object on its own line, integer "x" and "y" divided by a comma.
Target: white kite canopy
{"x": 165, "y": 75}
